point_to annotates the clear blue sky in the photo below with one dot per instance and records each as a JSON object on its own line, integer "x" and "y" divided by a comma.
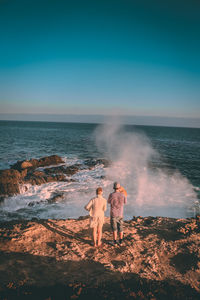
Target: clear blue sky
{"x": 129, "y": 57}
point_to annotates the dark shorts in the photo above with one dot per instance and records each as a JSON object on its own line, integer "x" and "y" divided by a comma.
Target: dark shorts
{"x": 116, "y": 224}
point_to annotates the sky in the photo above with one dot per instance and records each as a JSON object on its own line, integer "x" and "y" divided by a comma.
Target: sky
{"x": 131, "y": 58}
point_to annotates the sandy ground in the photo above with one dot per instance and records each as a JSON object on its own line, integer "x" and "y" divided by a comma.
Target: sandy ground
{"x": 55, "y": 259}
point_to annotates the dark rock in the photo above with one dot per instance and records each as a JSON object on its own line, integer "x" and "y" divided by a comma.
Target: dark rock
{"x": 31, "y": 204}
{"x": 21, "y": 165}
{"x": 38, "y": 174}
{"x": 184, "y": 262}
{"x": 2, "y": 198}
{"x": 91, "y": 163}
{"x": 56, "y": 197}
{"x": 60, "y": 177}
{"x": 118, "y": 263}
{"x": 50, "y": 160}
{"x": 9, "y": 182}
{"x": 24, "y": 173}
{"x": 50, "y": 178}
{"x": 34, "y": 163}
{"x": 35, "y": 178}
{"x": 55, "y": 170}
{"x": 71, "y": 170}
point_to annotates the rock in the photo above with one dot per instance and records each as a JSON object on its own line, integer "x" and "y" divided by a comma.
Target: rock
{"x": 71, "y": 170}
{"x": 54, "y": 170}
{"x": 50, "y": 160}
{"x": 24, "y": 173}
{"x": 45, "y": 257}
{"x": 91, "y": 163}
{"x": 38, "y": 174}
{"x": 34, "y": 163}
{"x": 61, "y": 177}
{"x": 9, "y": 182}
{"x": 21, "y": 165}
{"x": 56, "y": 197}
{"x": 26, "y": 164}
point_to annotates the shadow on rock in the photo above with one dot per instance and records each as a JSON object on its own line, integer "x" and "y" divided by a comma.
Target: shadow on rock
{"x": 26, "y": 276}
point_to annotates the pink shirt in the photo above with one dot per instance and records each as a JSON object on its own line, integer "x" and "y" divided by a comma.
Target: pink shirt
{"x": 117, "y": 201}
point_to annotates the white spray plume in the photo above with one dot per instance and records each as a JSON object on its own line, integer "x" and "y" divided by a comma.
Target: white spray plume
{"x": 151, "y": 191}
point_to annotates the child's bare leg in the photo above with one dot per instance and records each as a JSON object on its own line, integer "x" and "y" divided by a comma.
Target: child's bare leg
{"x": 115, "y": 235}
{"x": 99, "y": 234}
{"x": 95, "y": 235}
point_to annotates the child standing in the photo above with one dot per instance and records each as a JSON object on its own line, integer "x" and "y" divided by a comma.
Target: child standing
{"x": 97, "y": 206}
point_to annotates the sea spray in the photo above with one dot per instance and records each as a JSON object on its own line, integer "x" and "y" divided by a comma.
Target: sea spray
{"x": 151, "y": 190}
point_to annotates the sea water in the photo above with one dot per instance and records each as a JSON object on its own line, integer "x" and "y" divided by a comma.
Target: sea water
{"x": 158, "y": 166}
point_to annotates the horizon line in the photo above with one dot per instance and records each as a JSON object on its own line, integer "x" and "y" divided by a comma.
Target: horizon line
{"x": 100, "y": 118}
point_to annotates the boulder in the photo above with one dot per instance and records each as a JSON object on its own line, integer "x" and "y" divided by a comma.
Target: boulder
{"x": 26, "y": 164}
{"x": 91, "y": 163}
{"x": 36, "y": 178}
{"x": 50, "y": 160}
{"x": 9, "y": 182}
{"x": 23, "y": 173}
{"x": 35, "y": 163}
{"x": 56, "y": 197}
{"x": 21, "y": 165}
{"x": 71, "y": 170}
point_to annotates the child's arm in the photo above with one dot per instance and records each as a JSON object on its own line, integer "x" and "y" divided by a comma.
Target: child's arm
{"x": 89, "y": 205}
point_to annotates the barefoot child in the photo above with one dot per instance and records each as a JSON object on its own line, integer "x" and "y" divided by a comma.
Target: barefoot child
{"x": 97, "y": 206}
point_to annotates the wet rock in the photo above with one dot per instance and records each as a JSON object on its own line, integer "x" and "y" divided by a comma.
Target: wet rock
{"x": 21, "y": 165}
{"x": 54, "y": 170}
{"x": 38, "y": 174}
{"x": 50, "y": 160}
{"x": 31, "y": 204}
{"x": 56, "y": 197}
{"x": 24, "y": 173}
{"x": 34, "y": 163}
{"x": 28, "y": 172}
{"x": 9, "y": 182}
{"x": 61, "y": 177}
{"x": 71, "y": 170}
{"x": 91, "y": 163}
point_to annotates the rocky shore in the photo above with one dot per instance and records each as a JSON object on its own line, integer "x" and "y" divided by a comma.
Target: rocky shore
{"x": 40, "y": 171}
{"x": 54, "y": 259}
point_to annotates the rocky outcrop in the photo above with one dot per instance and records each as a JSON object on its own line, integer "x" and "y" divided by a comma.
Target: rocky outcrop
{"x": 9, "y": 182}
{"x": 36, "y": 163}
{"x": 25, "y": 172}
{"x": 40, "y": 171}
{"x": 55, "y": 259}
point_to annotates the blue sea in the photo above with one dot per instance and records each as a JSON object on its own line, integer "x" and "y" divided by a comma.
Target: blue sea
{"x": 158, "y": 166}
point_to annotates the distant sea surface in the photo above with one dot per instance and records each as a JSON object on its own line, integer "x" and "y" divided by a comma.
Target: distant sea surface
{"x": 158, "y": 166}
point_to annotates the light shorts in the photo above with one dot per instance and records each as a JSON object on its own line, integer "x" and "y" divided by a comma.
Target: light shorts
{"x": 116, "y": 224}
{"x": 96, "y": 222}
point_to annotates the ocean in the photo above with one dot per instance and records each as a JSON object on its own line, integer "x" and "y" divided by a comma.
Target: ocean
{"x": 158, "y": 166}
